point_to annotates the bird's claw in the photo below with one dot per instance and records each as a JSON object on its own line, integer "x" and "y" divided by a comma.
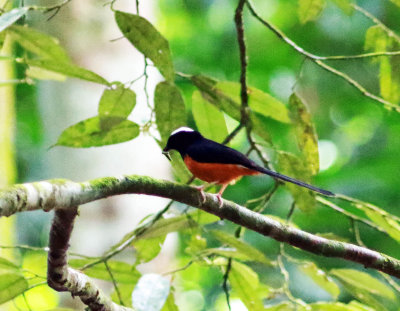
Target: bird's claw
{"x": 219, "y": 197}
{"x": 202, "y": 193}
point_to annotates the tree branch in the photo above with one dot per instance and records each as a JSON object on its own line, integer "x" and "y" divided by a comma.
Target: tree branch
{"x": 67, "y": 194}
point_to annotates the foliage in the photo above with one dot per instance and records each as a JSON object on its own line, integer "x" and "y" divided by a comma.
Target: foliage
{"x": 222, "y": 263}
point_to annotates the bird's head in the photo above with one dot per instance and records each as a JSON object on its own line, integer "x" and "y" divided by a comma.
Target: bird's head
{"x": 180, "y": 140}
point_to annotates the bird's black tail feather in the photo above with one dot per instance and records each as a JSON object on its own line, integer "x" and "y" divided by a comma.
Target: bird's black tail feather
{"x": 294, "y": 181}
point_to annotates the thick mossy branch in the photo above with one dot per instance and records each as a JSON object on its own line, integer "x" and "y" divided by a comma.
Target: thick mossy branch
{"x": 67, "y": 195}
{"x": 62, "y": 278}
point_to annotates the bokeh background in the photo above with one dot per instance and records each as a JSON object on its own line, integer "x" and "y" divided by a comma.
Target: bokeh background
{"x": 359, "y": 140}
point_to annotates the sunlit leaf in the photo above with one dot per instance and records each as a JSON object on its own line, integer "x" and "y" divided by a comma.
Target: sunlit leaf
{"x": 209, "y": 120}
{"x": 391, "y": 226}
{"x": 38, "y": 43}
{"x": 251, "y": 252}
{"x": 10, "y": 17}
{"x": 310, "y": 10}
{"x": 336, "y": 306}
{"x": 196, "y": 244}
{"x": 148, "y": 249}
{"x": 150, "y": 293}
{"x": 125, "y": 293}
{"x": 66, "y": 69}
{"x": 246, "y": 285}
{"x": 363, "y": 281}
{"x": 115, "y": 106}
{"x": 396, "y": 2}
{"x": 345, "y": 5}
{"x": 11, "y": 285}
{"x": 292, "y": 166}
{"x": 146, "y": 38}
{"x": 320, "y": 278}
{"x": 170, "y": 304}
{"x": 6, "y": 265}
{"x": 121, "y": 271}
{"x": 169, "y": 108}
{"x": 305, "y": 132}
{"x": 227, "y": 252}
{"x": 44, "y": 74}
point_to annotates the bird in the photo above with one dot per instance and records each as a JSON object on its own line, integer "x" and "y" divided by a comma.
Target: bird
{"x": 215, "y": 163}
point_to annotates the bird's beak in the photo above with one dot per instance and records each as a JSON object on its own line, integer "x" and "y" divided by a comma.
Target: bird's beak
{"x": 166, "y": 153}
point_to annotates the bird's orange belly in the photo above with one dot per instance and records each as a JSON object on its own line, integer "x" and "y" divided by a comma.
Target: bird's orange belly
{"x": 219, "y": 173}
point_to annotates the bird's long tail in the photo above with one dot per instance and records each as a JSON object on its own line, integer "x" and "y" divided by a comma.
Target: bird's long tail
{"x": 294, "y": 181}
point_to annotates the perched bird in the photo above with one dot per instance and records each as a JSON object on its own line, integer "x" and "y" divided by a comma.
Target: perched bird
{"x": 218, "y": 164}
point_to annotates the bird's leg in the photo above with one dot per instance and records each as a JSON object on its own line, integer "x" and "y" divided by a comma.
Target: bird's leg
{"x": 219, "y": 194}
{"x": 202, "y": 194}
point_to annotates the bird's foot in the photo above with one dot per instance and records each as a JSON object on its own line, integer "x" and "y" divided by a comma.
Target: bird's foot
{"x": 219, "y": 197}
{"x": 202, "y": 193}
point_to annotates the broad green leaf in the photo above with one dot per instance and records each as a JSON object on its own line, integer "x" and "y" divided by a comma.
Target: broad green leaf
{"x": 196, "y": 244}
{"x": 391, "y": 226}
{"x": 146, "y": 38}
{"x": 283, "y": 306}
{"x": 43, "y": 74}
{"x": 150, "y": 293}
{"x": 170, "y": 304}
{"x": 176, "y": 223}
{"x": 125, "y": 293}
{"x": 252, "y": 253}
{"x": 181, "y": 172}
{"x": 121, "y": 271}
{"x": 38, "y": 43}
{"x": 310, "y": 10}
{"x": 245, "y": 284}
{"x": 305, "y": 132}
{"x": 320, "y": 278}
{"x": 363, "y": 281}
{"x": 345, "y": 5}
{"x": 376, "y": 39}
{"x": 148, "y": 249}
{"x": 209, "y": 120}
{"x": 88, "y": 133}
{"x": 336, "y": 306}
{"x": 169, "y": 108}
{"x": 6, "y": 265}
{"x": 396, "y": 2}
{"x": 11, "y": 285}
{"x": 10, "y": 17}
{"x": 115, "y": 106}
{"x": 66, "y": 69}
{"x": 292, "y": 166}
{"x": 259, "y": 101}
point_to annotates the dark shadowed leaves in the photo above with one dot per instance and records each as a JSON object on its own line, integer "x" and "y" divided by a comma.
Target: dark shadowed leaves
{"x": 146, "y": 38}
{"x": 115, "y": 106}
{"x": 88, "y": 133}
{"x": 305, "y": 132}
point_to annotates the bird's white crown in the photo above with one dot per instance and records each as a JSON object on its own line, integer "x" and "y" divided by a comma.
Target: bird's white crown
{"x": 182, "y": 129}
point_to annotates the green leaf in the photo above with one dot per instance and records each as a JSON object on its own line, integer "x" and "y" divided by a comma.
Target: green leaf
{"x": 11, "y": 285}
{"x": 176, "y": 223}
{"x": 88, "y": 133}
{"x": 376, "y": 39}
{"x": 209, "y": 120}
{"x": 196, "y": 244}
{"x": 125, "y": 293}
{"x": 181, "y": 172}
{"x": 292, "y": 166}
{"x": 396, "y": 2}
{"x": 6, "y": 265}
{"x": 225, "y": 252}
{"x": 38, "y": 43}
{"x": 66, "y": 69}
{"x": 305, "y": 132}
{"x": 10, "y": 17}
{"x": 246, "y": 285}
{"x": 169, "y": 108}
{"x": 336, "y": 306}
{"x": 115, "y": 106}
{"x": 383, "y": 220}
{"x": 310, "y": 10}
{"x": 121, "y": 271}
{"x": 148, "y": 249}
{"x": 320, "y": 278}
{"x": 252, "y": 253}
{"x": 145, "y": 37}
{"x": 363, "y": 282}
{"x": 170, "y": 304}
{"x": 345, "y": 5}
{"x": 150, "y": 293}
{"x": 283, "y": 306}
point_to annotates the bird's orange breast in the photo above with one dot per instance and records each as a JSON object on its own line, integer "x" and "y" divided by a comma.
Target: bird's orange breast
{"x": 219, "y": 173}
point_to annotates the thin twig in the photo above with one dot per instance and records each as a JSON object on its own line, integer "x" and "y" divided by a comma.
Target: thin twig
{"x": 225, "y": 282}
{"x": 114, "y": 283}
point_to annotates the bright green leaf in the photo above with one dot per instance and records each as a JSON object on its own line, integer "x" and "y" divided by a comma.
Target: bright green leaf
{"x": 66, "y": 69}
{"x": 283, "y": 306}
{"x": 115, "y": 106}
{"x": 225, "y": 252}
{"x": 252, "y": 253}
{"x": 209, "y": 120}
{"x": 376, "y": 39}
{"x": 10, "y": 17}
{"x": 320, "y": 278}
{"x": 146, "y": 38}
{"x": 121, "y": 271}
{"x": 11, "y": 285}
{"x": 88, "y": 133}
{"x": 391, "y": 226}
{"x": 396, "y": 2}
{"x": 125, "y": 291}
{"x": 169, "y": 108}
{"x": 363, "y": 281}
{"x": 6, "y": 265}
{"x": 170, "y": 304}
{"x": 196, "y": 244}
{"x": 305, "y": 132}
{"x": 38, "y": 43}
{"x": 43, "y": 74}
{"x": 292, "y": 166}
{"x": 336, "y": 306}
{"x": 148, "y": 249}
{"x": 150, "y": 293}
{"x": 310, "y": 10}
{"x": 345, "y": 5}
